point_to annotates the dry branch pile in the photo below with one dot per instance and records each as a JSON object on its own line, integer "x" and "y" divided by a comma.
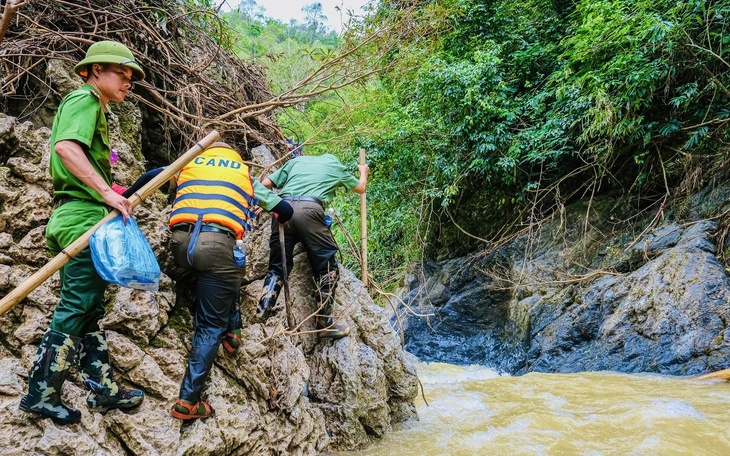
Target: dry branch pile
{"x": 191, "y": 79}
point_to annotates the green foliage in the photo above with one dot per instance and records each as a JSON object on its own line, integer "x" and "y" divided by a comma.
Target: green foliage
{"x": 523, "y": 95}
{"x": 289, "y": 52}
{"x": 496, "y": 101}
{"x": 204, "y": 14}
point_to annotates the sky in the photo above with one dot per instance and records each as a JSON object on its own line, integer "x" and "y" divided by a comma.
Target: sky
{"x": 288, "y": 9}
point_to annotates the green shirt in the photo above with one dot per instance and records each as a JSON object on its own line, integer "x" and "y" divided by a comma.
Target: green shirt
{"x": 267, "y": 198}
{"x": 315, "y": 176}
{"x": 82, "y": 119}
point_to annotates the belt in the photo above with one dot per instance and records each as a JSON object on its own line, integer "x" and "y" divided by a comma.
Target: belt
{"x": 303, "y": 198}
{"x": 204, "y": 228}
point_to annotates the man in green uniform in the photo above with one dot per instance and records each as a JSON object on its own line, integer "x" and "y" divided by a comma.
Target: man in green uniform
{"x": 307, "y": 183}
{"x": 81, "y": 172}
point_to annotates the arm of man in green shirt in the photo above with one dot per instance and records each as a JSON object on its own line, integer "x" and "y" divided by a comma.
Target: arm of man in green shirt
{"x": 74, "y": 159}
{"x": 272, "y": 202}
{"x": 267, "y": 198}
{"x": 363, "y": 183}
{"x": 267, "y": 183}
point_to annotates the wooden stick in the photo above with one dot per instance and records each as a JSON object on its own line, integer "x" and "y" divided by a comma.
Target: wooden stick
{"x": 364, "y": 228}
{"x": 285, "y": 279}
{"x": 32, "y": 282}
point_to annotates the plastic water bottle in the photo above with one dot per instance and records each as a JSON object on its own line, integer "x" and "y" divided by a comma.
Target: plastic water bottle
{"x": 328, "y": 216}
{"x": 239, "y": 253}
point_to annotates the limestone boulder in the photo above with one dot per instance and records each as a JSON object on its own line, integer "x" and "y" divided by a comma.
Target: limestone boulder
{"x": 257, "y": 248}
{"x": 262, "y": 156}
{"x": 655, "y": 301}
{"x": 62, "y": 76}
{"x": 11, "y": 372}
{"x": 124, "y": 354}
{"x": 282, "y": 392}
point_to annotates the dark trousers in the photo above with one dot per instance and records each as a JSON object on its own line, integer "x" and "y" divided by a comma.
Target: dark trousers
{"x": 218, "y": 282}
{"x": 308, "y": 227}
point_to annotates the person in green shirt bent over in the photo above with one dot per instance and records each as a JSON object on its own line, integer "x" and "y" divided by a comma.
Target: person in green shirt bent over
{"x": 308, "y": 183}
{"x": 81, "y": 173}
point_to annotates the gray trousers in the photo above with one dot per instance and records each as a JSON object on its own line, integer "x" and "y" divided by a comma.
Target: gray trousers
{"x": 308, "y": 227}
{"x": 218, "y": 282}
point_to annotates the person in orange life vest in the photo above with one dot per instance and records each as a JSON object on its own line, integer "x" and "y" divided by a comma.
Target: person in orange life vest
{"x": 215, "y": 198}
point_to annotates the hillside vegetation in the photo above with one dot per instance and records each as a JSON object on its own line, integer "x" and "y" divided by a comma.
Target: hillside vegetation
{"x": 492, "y": 115}
{"x": 488, "y": 116}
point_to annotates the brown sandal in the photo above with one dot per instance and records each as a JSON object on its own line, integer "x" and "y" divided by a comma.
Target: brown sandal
{"x": 192, "y": 410}
{"x": 229, "y": 348}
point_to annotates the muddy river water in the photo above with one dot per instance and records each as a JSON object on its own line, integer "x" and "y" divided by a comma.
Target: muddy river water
{"x": 475, "y": 411}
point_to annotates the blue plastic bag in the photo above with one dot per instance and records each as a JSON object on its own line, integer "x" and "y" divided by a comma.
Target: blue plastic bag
{"x": 122, "y": 255}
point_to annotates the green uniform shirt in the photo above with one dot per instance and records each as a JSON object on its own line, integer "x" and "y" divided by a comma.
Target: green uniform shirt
{"x": 315, "y": 176}
{"x": 267, "y": 198}
{"x": 81, "y": 118}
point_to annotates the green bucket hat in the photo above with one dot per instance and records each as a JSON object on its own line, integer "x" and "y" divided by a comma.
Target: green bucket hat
{"x": 109, "y": 52}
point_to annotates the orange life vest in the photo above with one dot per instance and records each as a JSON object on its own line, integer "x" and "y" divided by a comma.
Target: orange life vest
{"x": 216, "y": 186}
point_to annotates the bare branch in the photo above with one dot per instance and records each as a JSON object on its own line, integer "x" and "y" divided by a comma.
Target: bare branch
{"x": 10, "y": 8}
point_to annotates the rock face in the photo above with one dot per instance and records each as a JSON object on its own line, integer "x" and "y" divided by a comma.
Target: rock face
{"x": 581, "y": 301}
{"x": 278, "y": 394}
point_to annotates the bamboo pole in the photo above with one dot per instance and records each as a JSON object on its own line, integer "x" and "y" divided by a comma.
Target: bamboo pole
{"x": 32, "y": 282}
{"x": 364, "y": 228}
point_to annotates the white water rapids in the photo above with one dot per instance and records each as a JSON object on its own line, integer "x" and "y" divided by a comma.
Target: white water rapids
{"x": 475, "y": 411}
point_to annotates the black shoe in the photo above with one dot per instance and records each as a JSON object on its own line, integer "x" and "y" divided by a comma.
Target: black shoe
{"x": 325, "y": 296}
{"x": 272, "y": 287}
{"x": 327, "y": 328}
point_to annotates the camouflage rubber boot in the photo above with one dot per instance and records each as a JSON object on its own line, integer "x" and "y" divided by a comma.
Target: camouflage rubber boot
{"x": 45, "y": 379}
{"x": 272, "y": 287}
{"x": 96, "y": 371}
{"x": 325, "y": 297}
